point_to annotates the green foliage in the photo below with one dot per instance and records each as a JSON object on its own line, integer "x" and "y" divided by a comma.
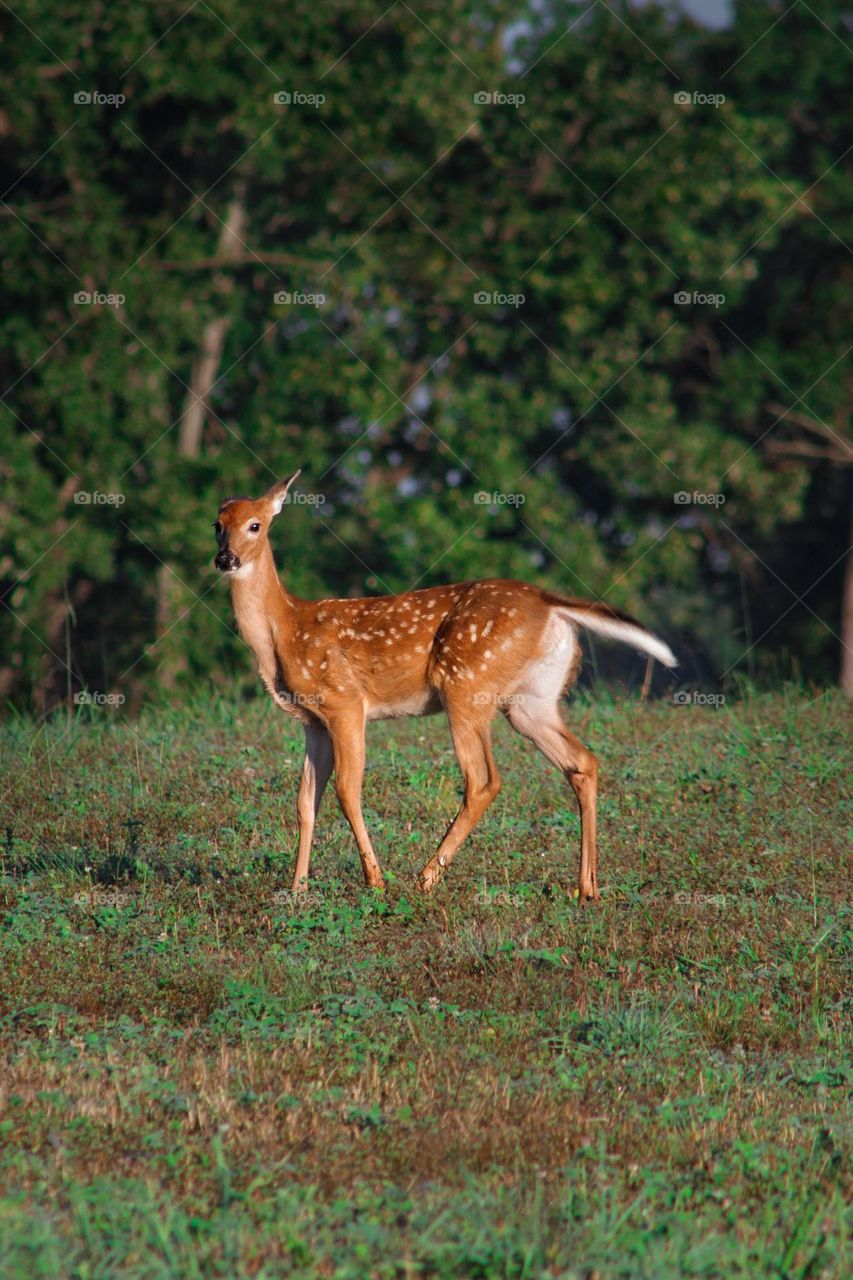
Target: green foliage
{"x": 400, "y": 198}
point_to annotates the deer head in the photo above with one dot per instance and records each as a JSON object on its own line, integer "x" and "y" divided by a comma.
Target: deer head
{"x": 243, "y": 524}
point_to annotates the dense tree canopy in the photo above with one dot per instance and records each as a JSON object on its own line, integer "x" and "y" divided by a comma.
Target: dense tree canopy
{"x": 503, "y": 280}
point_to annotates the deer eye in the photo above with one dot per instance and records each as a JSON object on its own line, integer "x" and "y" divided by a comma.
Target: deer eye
{"x": 217, "y": 527}
{"x": 254, "y": 527}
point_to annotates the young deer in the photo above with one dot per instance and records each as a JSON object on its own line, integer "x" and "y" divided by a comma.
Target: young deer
{"x": 470, "y": 649}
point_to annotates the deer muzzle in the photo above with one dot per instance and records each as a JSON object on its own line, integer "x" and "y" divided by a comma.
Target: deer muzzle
{"x": 226, "y": 560}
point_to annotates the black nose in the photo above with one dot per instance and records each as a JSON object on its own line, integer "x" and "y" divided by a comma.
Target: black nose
{"x": 226, "y": 560}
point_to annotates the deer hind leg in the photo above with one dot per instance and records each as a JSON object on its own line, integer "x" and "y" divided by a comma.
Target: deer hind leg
{"x": 316, "y": 769}
{"x": 539, "y": 720}
{"x": 348, "y": 747}
{"x": 473, "y": 746}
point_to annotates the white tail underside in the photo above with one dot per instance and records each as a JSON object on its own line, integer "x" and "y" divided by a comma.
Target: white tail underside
{"x": 613, "y": 629}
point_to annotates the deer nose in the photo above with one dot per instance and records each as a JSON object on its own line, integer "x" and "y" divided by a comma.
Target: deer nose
{"x": 226, "y": 560}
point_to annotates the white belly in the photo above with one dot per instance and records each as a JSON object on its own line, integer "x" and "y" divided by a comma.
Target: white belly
{"x": 423, "y": 703}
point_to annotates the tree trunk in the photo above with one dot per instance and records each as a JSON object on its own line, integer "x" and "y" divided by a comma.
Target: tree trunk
{"x": 847, "y": 615}
{"x": 51, "y": 685}
{"x": 172, "y": 597}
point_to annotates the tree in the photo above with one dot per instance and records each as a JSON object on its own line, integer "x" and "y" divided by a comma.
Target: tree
{"x": 397, "y": 199}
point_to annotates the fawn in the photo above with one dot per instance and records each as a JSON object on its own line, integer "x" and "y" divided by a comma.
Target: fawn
{"x": 470, "y": 649}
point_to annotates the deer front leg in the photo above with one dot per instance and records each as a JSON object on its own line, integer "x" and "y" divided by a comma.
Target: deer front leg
{"x": 316, "y": 769}
{"x": 347, "y": 733}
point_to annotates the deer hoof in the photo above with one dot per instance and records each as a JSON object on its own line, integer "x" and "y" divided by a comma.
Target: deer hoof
{"x": 428, "y": 877}
{"x": 587, "y": 898}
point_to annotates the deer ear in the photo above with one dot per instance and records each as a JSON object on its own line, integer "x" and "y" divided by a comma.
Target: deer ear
{"x": 278, "y": 492}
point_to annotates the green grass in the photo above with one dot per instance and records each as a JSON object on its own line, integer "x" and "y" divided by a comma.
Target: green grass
{"x": 202, "y": 1077}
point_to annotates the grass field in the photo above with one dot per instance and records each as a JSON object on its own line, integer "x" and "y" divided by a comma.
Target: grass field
{"x": 203, "y": 1078}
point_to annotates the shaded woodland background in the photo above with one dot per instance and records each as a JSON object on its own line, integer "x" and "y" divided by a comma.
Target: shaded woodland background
{"x": 148, "y": 369}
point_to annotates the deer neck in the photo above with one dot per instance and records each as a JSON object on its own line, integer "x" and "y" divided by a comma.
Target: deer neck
{"x": 264, "y": 609}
